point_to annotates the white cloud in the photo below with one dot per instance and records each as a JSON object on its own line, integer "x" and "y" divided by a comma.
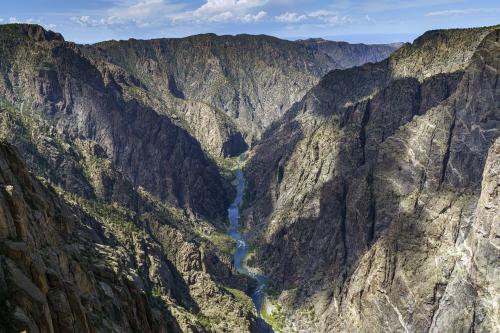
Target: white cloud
{"x": 290, "y": 18}
{"x": 457, "y": 12}
{"x": 330, "y": 17}
{"x": 225, "y": 11}
{"x": 228, "y": 16}
{"x": 140, "y": 13}
{"x": 86, "y": 21}
{"x": 29, "y": 21}
{"x": 220, "y": 6}
{"x": 144, "y": 13}
{"x": 319, "y": 16}
{"x": 249, "y": 18}
{"x": 33, "y": 21}
{"x": 321, "y": 13}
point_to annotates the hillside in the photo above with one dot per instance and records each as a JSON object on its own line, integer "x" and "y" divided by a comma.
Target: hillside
{"x": 143, "y": 205}
{"x": 367, "y": 200}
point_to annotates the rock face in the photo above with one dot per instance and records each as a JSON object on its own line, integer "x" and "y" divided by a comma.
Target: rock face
{"x": 252, "y": 80}
{"x": 56, "y": 274}
{"x": 345, "y": 55}
{"x": 126, "y": 232}
{"x": 125, "y": 137}
{"x": 374, "y": 201}
{"x": 68, "y": 265}
{"x": 62, "y": 99}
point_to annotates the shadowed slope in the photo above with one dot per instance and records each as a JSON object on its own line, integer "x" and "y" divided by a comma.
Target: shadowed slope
{"x": 361, "y": 196}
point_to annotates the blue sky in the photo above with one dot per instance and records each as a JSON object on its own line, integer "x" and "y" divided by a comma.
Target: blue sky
{"x": 88, "y": 21}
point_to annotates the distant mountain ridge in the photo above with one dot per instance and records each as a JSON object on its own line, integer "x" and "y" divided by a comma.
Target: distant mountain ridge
{"x": 252, "y": 79}
{"x": 347, "y": 55}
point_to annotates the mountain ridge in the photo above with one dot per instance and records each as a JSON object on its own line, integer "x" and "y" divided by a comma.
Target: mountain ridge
{"x": 143, "y": 180}
{"x": 291, "y": 61}
{"x": 327, "y": 181}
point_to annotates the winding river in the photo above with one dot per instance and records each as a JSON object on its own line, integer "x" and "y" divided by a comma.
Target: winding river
{"x": 242, "y": 248}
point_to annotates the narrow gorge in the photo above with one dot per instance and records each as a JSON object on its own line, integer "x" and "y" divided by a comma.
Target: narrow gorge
{"x": 242, "y": 249}
{"x": 220, "y": 184}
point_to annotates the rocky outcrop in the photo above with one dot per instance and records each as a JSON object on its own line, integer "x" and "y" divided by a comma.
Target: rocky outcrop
{"x": 472, "y": 293}
{"x": 70, "y": 265}
{"x": 57, "y": 272}
{"x": 362, "y": 198}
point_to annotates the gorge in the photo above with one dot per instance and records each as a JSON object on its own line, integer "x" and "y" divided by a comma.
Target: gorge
{"x": 242, "y": 249}
{"x": 249, "y": 184}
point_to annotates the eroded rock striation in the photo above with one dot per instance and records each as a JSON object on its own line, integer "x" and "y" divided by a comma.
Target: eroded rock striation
{"x": 374, "y": 201}
{"x": 247, "y": 81}
{"x": 59, "y": 269}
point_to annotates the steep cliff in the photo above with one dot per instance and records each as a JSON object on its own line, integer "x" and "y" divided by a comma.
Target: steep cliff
{"x": 62, "y": 101}
{"x": 252, "y": 80}
{"x": 71, "y": 265}
{"x": 57, "y": 270}
{"x": 345, "y": 55}
{"x": 363, "y": 199}
{"x": 150, "y": 204}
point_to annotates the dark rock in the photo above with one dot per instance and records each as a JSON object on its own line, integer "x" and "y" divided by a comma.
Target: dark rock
{"x": 363, "y": 194}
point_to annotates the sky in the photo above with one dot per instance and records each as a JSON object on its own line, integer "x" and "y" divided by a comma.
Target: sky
{"x": 90, "y": 21}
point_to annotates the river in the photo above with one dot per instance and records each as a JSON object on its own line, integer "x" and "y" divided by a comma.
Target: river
{"x": 242, "y": 248}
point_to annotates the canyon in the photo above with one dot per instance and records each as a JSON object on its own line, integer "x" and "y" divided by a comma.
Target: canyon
{"x": 249, "y": 184}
